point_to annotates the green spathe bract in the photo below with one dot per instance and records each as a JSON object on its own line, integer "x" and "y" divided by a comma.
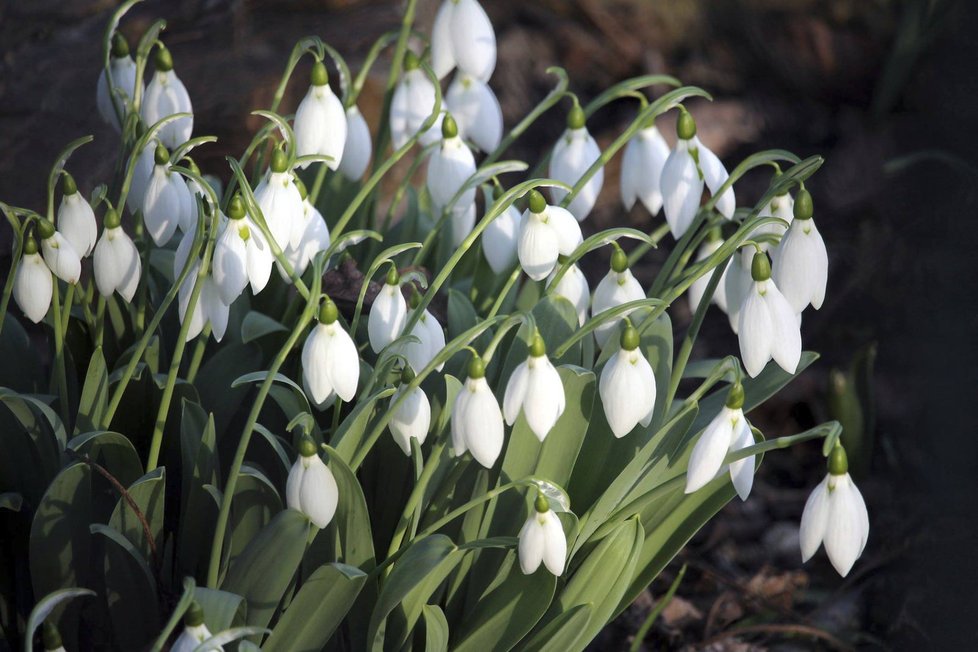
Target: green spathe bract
{"x": 146, "y": 481}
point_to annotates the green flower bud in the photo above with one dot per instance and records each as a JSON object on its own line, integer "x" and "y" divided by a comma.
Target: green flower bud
{"x": 537, "y": 346}
{"x": 30, "y": 246}
{"x": 541, "y": 504}
{"x": 803, "y": 205}
{"x": 685, "y": 125}
{"x": 163, "y": 59}
{"x": 307, "y": 447}
{"x": 477, "y": 368}
{"x": 575, "y": 117}
{"x": 111, "y": 219}
{"x": 619, "y": 260}
{"x": 411, "y": 61}
{"x": 120, "y": 47}
{"x": 629, "y": 337}
{"x": 68, "y": 185}
{"x": 50, "y": 636}
{"x": 236, "y": 208}
{"x": 838, "y": 462}
{"x": 735, "y": 397}
{"x": 393, "y": 278}
{"x": 319, "y": 76}
{"x": 328, "y": 312}
{"x": 194, "y": 616}
{"x": 45, "y": 229}
{"x": 449, "y": 129}
{"x": 407, "y": 374}
{"x": 280, "y": 162}
{"x": 537, "y": 203}
{"x": 760, "y": 267}
{"x": 161, "y": 156}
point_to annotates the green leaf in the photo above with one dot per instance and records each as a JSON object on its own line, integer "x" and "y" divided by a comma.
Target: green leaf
{"x": 317, "y": 609}
{"x": 214, "y": 380}
{"x": 94, "y": 395}
{"x": 148, "y": 494}
{"x": 435, "y": 629}
{"x": 112, "y": 451}
{"x": 255, "y": 504}
{"x": 256, "y": 325}
{"x": 130, "y": 591}
{"x": 563, "y": 632}
{"x": 21, "y": 370}
{"x": 350, "y": 437}
{"x": 348, "y": 538}
{"x": 43, "y": 609}
{"x": 221, "y": 608}
{"x": 198, "y": 448}
{"x": 60, "y": 541}
{"x": 265, "y": 568}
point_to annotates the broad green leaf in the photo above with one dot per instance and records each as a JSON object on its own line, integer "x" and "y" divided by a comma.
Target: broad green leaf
{"x": 264, "y": 570}
{"x": 222, "y": 609}
{"x": 255, "y": 504}
{"x": 148, "y": 495}
{"x": 198, "y": 455}
{"x": 60, "y": 541}
{"x": 130, "y": 591}
{"x": 563, "y": 633}
{"x": 94, "y": 395}
{"x": 349, "y": 437}
{"x": 214, "y": 380}
{"x": 435, "y": 629}
{"x": 111, "y": 450}
{"x": 317, "y": 609}
{"x": 256, "y": 325}
{"x": 45, "y": 607}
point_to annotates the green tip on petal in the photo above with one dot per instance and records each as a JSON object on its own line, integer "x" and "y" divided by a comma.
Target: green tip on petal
{"x": 537, "y": 203}
{"x": 163, "y": 59}
{"x": 760, "y": 267}
{"x": 307, "y": 447}
{"x": 120, "y": 46}
{"x": 319, "y": 76}
{"x": 45, "y": 229}
{"x": 280, "y": 162}
{"x": 619, "y": 260}
{"x": 328, "y": 312}
{"x": 575, "y": 117}
{"x": 407, "y": 374}
{"x": 541, "y": 504}
{"x": 68, "y": 185}
{"x": 685, "y": 125}
{"x": 838, "y": 462}
{"x": 735, "y": 397}
{"x": 411, "y": 61}
{"x": 449, "y": 129}
{"x": 803, "y": 205}
{"x": 393, "y": 278}
{"x": 161, "y": 156}
{"x": 629, "y": 337}
{"x": 538, "y": 347}
{"x": 111, "y": 219}
{"x": 477, "y": 368}
{"x": 30, "y": 246}
{"x": 303, "y": 191}
{"x": 194, "y": 616}
{"x": 50, "y": 636}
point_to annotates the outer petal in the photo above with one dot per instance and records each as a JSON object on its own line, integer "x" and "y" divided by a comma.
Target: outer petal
{"x": 215, "y": 310}
{"x": 555, "y": 544}
{"x": 411, "y": 420}
{"x": 708, "y": 453}
{"x": 166, "y": 95}
{"x": 574, "y": 153}
{"x": 33, "y": 287}
{"x": 311, "y": 122}
{"x": 681, "y": 188}
{"x": 785, "y": 331}
{"x": 61, "y": 258}
{"x": 123, "y": 81}
{"x": 755, "y": 332}
{"x": 652, "y": 153}
{"x": 500, "y": 238}
{"x": 387, "y": 316}
{"x": 532, "y": 543}
{"x": 631, "y": 172}
{"x": 613, "y": 290}
{"x": 161, "y": 206}
{"x": 801, "y": 265}
{"x": 314, "y": 238}
{"x": 183, "y": 302}
{"x": 473, "y": 40}
{"x": 127, "y": 256}
{"x": 483, "y": 424}
{"x": 545, "y": 400}
{"x": 844, "y": 528}
{"x": 448, "y": 169}
{"x": 442, "y": 59}
{"x": 342, "y": 362}
{"x": 459, "y": 409}
{"x": 646, "y": 396}
{"x": 281, "y": 206}
{"x": 742, "y": 471}
{"x": 314, "y": 360}
{"x": 573, "y": 287}
{"x": 293, "y": 485}
{"x": 476, "y": 110}
{"x": 715, "y": 175}
{"x": 539, "y": 246}
{"x": 142, "y": 174}
{"x": 356, "y": 152}
{"x": 318, "y": 493}
{"x": 259, "y": 259}
{"x": 568, "y": 230}
{"x": 230, "y": 263}
{"x": 76, "y": 221}
{"x": 619, "y": 380}
{"x": 814, "y": 520}
{"x": 737, "y": 282}
{"x": 106, "y": 267}
{"x": 515, "y": 394}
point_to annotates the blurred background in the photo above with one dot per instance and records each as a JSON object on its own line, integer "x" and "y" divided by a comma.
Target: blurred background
{"x": 884, "y": 90}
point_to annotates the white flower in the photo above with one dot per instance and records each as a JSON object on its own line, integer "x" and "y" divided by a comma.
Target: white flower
{"x": 801, "y": 265}
{"x": 477, "y": 423}
{"x": 698, "y": 288}
{"x": 241, "y": 256}
{"x": 573, "y": 287}
{"x": 500, "y": 236}
{"x": 60, "y": 257}
{"x": 736, "y": 282}
{"x": 627, "y": 386}
{"x": 412, "y": 104}
{"x": 463, "y": 222}
{"x": 573, "y": 154}
{"x": 450, "y": 166}
{"x": 411, "y": 419}
{"x": 546, "y": 232}
{"x": 780, "y": 206}
{"x": 617, "y": 287}
{"x": 142, "y": 173}
{"x": 194, "y": 631}
{"x": 320, "y": 121}
{"x": 542, "y": 539}
{"x": 116, "y": 260}
{"x": 210, "y": 308}
{"x": 728, "y": 432}
{"x": 166, "y": 202}
{"x": 768, "y": 326}
{"x": 76, "y": 219}
{"x": 123, "y": 70}
{"x": 311, "y": 488}
{"x": 280, "y": 202}
{"x": 431, "y": 340}
{"x": 388, "y": 314}
{"x": 835, "y": 515}
{"x": 166, "y": 95}
{"x": 476, "y": 110}
{"x": 315, "y": 236}
{"x": 463, "y": 36}
{"x": 33, "y": 285}
{"x": 356, "y": 151}
{"x": 641, "y": 169}
{"x": 689, "y": 166}
{"x": 535, "y": 388}
{"x": 330, "y": 362}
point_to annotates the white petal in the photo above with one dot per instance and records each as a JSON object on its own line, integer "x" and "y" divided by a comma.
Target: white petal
{"x": 755, "y": 332}
{"x": 844, "y": 528}
{"x": 715, "y": 175}
{"x": 162, "y": 205}
{"x": 707, "y": 457}
{"x": 682, "y": 189}
{"x": 215, "y": 310}
{"x": 573, "y": 287}
{"x": 166, "y": 95}
{"x": 544, "y": 401}
{"x": 387, "y": 317}
{"x": 814, "y": 520}
{"x": 123, "y": 81}
{"x": 473, "y": 40}
{"x": 532, "y": 543}
{"x": 801, "y": 265}
{"x": 737, "y": 282}
{"x": 314, "y": 359}
{"x": 142, "y": 173}
{"x": 555, "y": 544}
{"x": 613, "y": 290}
{"x": 499, "y": 240}
{"x": 568, "y": 230}
{"x": 320, "y": 125}
{"x": 623, "y": 380}
{"x": 573, "y": 155}
{"x": 645, "y": 156}
{"x": 314, "y": 238}
{"x": 412, "y": 103}
{"x": 539, "y": 246}
{"x": 515, "y": 393}
{"x": 196, "y": 317}
{"x": 318, "y": 493}
{"x": 442, "y": 58}
{"x": 476, "y": 111}
{"x": 76, "y": 221}
{"x": 742, "y": 471}
{"x": 61, "y": 258}
{"x": 356, "y": 152}
{"x": 281, "y": 205}
{"x": 33, "y": 287}
{"x": 259, "y": 259}
{"x": 463, "y": 221}
{"x": 293, "y": 484}
{"x": 230, "y": 262}
{"x": 785, "y": 332}
{"x": 342, "y": 362}
{"x": 459, "y": 408}
{"x": 449, "y": 168}
{"x": 411, "y": 420}
{"x": 483, "y": 424}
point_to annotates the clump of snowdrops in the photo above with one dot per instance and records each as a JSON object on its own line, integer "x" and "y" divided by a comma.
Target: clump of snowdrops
{"x": 278, "y": 410}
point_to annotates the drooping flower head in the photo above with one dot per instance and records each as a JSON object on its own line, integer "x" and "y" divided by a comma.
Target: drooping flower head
{"x": 463, "y": 36}
{"x": 450, "y": 166}
{"x": 617, "y": 287}
{"x": 430, "y": 338}
{"x": 698, "y": 288}
{"x": 769, "y": 327}
{"x": 123, "y": 71}
{"x": 728, "y": 432}
{"x": 311, "y": 488}
{"x": 500, "y": 236}
{"x": 641, "y": 169}
{"x": 546, "y": 232}
{"x": 573, "y": 287}
{"x": 165, "y": 96}
{"x": 33, "y": 284}
{"x": 280, "y": 202}
{"x": 167, "y": 201}
{"x": 60, "y": 257}
{"x": 627, "y": 386}
{"x": 356, "y": 151}
{"x": 801, "y": 263}
{"x": 412, "y": 418}
{"x": 388, "y": 314}
{"x": 241, "y": 255}
{"x": 573, "y": 155}
{"x": 194, "y": 631}
{"x": 536, "y": 390}
{"x": 542, "y": 540}
{"x": 477, "y": 423}
{"x": 320, "y": 120}
{"x": 412, "y": 104}
{"x": 330, "y": 362}
{"x": 116, "y": 260}
{"x": 76, "y": 219}
{"x": 476, "y": 110}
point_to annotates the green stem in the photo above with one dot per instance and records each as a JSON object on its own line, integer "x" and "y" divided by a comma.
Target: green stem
{"x": 644, "y": 247}
{"x": 694, "y": 327}
{"x": 198, "y": 354}
{"x": 504, "y": 292}
{"x": 660, "y": 606}
{"x": 545, "y": 105}
{"x": 60, "y": 376}
{"x": 411, "y": 508}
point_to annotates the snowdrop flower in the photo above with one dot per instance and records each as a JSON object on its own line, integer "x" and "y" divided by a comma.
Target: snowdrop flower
{"x": 280, "y": 202}
{"x": 51, "y": 637}
{"x": 450, "y": 166}
{"x": 412, "y": 104}
{"x": 573, "y": 287}
{"x": 412, "y": 418}
{"x": 627, "y": 386}
{"x": 59, "y": 255}
{"x": 311, "y": 488}
{"x": 388, "y": 314}
{"x": 499, "y": 237}
{"x": 617, "y": 287}
{"x": 33, "y": 285}
{"x": 330, "y": 362}
{"x": 116, "y": 260}
{"x": 780, "y": 206}
{"x": 546, "y": 232}
{"x": 536, "y": 389}
{"x": 241, "y": 255}
{"x": 641, "y": 169}
{"x": 835, "y": 515}
{"x": 728, "y": 432}
{"x": 801, "y": 266}
{"x": 320, "y": 120}
{"x": 167, "y": 201}
{"x": 476, "y": 110}
{"x": 698, "y": 288}
{"x": 768, "y": 325}
{"x": 689, "y": 166}
{"x": 209, "y": 309}
{"x": 573, "y": 154}
{"x": 356, "y": 150}
{"x": 76, "y": 219}
{"x": 123, "y": 70}
{"x": 166, "y": 95}
{"x": 477, "y": 423}
{"x": 194, "y": 631}
{"x": 142, "y": 173}
{"x": 430, "y": 338}
{"x": 542, "y": 539}
{"x": 463, "y": 36}
{"x": 737, "y": 282}
{"x": 315, "y": 234}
